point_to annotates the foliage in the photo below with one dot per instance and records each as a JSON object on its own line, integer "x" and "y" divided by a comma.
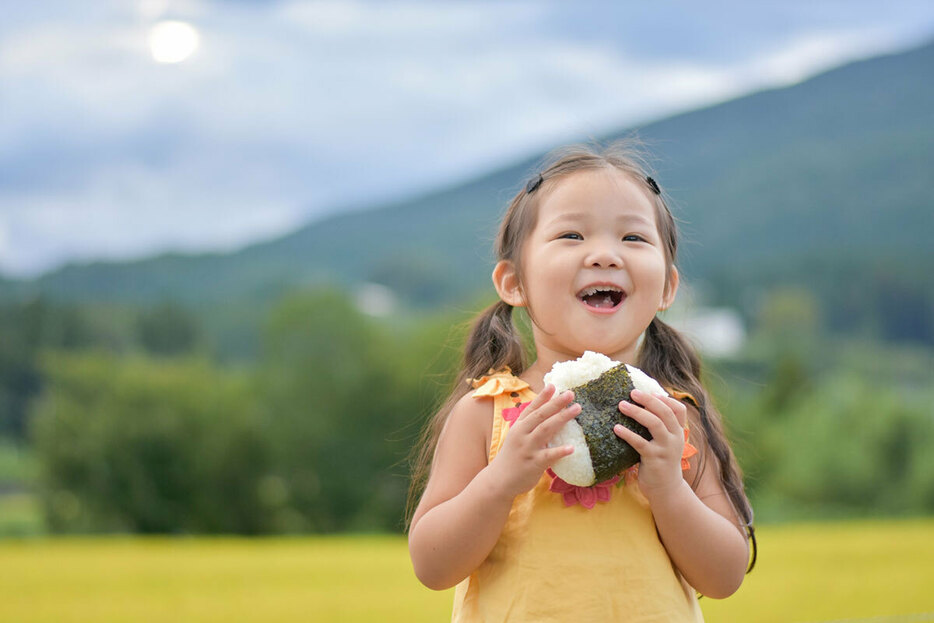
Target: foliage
{"x": 847, "y": 433}
{"x": 29, "y": 328}
{"x": 345, "y": 394}
{"x": 25, "y": 329}
{"x": 314, "y": 435}
{"x": 128, "y": 444}
{"x": 167, "y": 329}
{"x": 313, "y": 438}
{"x": 322, "y": 379}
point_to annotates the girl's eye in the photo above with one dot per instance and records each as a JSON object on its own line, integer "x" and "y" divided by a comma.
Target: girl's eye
{"x": 571, "y": 235}
{"x": 633, "y": 238}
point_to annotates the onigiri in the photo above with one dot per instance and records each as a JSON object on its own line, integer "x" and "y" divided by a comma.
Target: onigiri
{"x": 599, "y": 384}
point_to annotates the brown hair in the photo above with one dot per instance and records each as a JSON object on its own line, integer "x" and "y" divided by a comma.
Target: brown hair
{"x": 495, "y": 342}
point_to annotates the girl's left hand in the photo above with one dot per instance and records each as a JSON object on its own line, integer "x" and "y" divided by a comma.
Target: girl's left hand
{"x": 665, "y": 418}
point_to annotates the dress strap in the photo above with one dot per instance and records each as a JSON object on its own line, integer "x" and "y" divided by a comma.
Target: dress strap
{"x": 508, "y": 393}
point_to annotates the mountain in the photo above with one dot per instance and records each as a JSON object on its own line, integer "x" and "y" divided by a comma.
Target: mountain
{"x": 824, "y": 181}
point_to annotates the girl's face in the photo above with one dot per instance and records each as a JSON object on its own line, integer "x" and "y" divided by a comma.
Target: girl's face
{"x": 593, "y": 268}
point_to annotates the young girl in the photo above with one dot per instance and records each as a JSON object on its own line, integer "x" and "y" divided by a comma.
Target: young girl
{"x": 588, "y": 249}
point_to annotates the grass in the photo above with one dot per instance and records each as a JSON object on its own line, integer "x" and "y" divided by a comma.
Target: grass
{"x": 806, "y": 572}
{"x": 836, "y": 571}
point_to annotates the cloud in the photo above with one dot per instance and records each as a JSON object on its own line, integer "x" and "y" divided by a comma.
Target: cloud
{"x": 808, "y": 53}
{"x": 125, "y": 209}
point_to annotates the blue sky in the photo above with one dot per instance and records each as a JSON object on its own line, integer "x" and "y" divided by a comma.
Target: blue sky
{"x": 290, "y": 110}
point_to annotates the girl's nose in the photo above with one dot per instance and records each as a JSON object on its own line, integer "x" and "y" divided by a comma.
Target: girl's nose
{"x": 604, "y": 256}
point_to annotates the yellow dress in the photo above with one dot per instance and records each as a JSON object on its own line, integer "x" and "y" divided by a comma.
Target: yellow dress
{"x": 555, "y": 562}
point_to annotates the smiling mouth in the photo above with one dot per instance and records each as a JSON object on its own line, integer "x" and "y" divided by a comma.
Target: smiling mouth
{"x": 601, "y": 297}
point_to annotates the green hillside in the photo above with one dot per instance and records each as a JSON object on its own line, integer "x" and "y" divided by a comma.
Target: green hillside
{"x": 826, "y": 184}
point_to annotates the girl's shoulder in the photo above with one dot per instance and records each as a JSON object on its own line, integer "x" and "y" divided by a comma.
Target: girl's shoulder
{"x": 460, "y": 454}
{"x": 469, "y": 426}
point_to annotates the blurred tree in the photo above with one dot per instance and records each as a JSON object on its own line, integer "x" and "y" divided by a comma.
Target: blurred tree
{"x": 25, "y": 330}
{"x": 326, "y": 375}
{"x": 790, "y": 382}
{"x": 418, "y": 277}
{"x": 134, "y": 445}
{"x": 349, "y": 394}
{"x": 168, "y": 329}
{"x": 857, "y": 448}
{"x": 790, "y": 317}
{"x": 315, "y": 437}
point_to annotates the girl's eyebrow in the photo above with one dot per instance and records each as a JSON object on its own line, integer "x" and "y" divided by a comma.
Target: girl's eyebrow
{"x": 625, "y": 218}
{"x": 568, "y": 216}
{"x": 637, "y": 219}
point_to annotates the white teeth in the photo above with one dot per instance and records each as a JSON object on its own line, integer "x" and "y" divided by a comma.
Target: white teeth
{"x": 593, "y": 290}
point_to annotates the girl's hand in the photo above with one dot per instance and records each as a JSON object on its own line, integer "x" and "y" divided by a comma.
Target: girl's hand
{"x": 664, "y": 417}
{"x": 525, "y": 454}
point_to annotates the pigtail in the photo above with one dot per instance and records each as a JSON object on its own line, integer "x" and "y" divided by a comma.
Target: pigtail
{"x": 493, "y": 343}
{"x": 668, "y": 357}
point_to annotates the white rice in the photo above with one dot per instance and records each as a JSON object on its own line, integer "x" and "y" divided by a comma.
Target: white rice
{"x": 577, "y": 468}
{"x": 567, "y": 374}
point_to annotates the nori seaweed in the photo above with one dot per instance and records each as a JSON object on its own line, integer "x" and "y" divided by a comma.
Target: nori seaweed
{"x": 599, "y": 400}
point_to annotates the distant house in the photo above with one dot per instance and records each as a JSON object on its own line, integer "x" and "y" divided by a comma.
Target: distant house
{"x": 717, "y": 332}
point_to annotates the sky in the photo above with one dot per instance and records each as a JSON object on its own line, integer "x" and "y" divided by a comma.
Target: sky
{"x": 121, "y": 137}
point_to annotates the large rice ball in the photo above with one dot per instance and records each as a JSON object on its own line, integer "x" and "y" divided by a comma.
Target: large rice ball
{"x": 591, "y": 430}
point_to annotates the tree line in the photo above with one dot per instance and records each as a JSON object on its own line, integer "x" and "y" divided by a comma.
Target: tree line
{"x": 135, "y": 426}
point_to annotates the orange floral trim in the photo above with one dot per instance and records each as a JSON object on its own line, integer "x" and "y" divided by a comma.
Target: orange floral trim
{"x": 688, "y": 452}
{"x": 585, "y": 496}
{"x": 682, "y": 396}
{"x": 497, "y": 382}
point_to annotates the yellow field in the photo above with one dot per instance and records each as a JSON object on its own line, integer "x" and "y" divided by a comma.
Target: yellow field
{"x": 879, "y": 571}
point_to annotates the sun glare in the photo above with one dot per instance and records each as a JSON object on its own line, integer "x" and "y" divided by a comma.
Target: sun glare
{"x": 172, "y": 42}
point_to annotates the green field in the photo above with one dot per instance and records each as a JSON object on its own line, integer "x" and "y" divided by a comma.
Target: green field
{"x": 874, "y": 571}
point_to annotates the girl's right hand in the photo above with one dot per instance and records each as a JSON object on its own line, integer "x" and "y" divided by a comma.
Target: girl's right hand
{"x": 525, "y": 454}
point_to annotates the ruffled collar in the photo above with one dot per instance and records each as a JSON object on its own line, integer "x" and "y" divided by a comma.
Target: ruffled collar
{"x": 497, "y": 382}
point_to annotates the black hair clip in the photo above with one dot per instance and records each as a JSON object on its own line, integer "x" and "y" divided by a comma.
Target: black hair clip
{"x": 653, "y": 185}
{"x": 534, "y": 183}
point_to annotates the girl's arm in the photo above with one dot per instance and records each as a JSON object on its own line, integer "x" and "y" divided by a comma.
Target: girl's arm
{"x": 466, "y": 502}
{"x": 699, "y": 529}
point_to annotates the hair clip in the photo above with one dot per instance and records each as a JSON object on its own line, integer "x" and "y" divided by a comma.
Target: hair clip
{"x": 653, "y": 185}
{"x": 534, "y": 183}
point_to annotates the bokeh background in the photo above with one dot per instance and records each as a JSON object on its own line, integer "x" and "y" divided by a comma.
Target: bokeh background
{"x": 240, "y": 240}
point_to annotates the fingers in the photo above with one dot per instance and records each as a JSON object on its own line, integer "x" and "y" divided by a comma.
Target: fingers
{"x": 525, "y": 452}
{"x": 547, "y": 406}
{"x": 679, "y": 409}
{"x": 662, "y": 416}
{"x": 550, "y": 455}
{"x": 547, "y": 429}
{"x": 639, "y": 443}
{"x": 547, "y": 392}
{"x": 671, "y": 413}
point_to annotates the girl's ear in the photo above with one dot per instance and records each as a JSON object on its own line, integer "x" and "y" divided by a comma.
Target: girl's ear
{"x": 506, "y": 282}
{"x": 669, "y": 297}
